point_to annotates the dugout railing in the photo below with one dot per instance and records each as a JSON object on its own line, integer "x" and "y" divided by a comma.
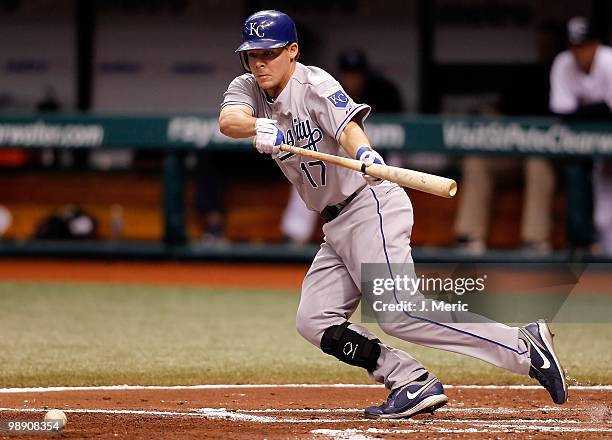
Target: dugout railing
{"x": 177, "y": 135}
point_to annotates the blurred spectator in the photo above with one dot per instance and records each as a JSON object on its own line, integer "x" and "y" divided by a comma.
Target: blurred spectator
{"x": 581, "y": 90}
{"x": 479, "y": 177}
{"x": 480, "y": 173}
{"x": 50, "y": 156}
{"x": 298, "y": 222}
{"x": 209, "y": 196}
{"x": 6, "y": 219}
{"x": 477, "y": 189}
{"x": 363, "y": 85}
{"x": 49, "y": 102}
{"x": 70, "y": 222}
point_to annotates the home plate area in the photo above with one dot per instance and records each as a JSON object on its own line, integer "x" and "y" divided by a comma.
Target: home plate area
{"x": 308, "y": 411}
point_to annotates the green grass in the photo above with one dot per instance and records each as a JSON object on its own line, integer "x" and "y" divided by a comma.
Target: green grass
{"x": 88, "y": 334}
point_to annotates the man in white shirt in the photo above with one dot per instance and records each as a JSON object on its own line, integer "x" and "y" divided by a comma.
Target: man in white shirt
{"x": 581, "y": 88}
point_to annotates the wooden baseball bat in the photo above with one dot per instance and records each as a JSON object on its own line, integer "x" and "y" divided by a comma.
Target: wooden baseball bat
{"x": 429, "y": 183}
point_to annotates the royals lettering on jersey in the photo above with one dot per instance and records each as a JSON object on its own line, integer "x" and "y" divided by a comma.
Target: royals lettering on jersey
{"x": 312, "y": 111}
{"x": 303, "y": 130}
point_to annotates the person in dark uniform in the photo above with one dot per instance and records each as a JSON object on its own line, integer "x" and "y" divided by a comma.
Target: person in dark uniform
{"x": 366, "y": 85}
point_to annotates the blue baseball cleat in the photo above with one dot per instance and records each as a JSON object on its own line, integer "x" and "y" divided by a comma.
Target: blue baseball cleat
{"x": 545, "y": 366}
{"x": 421, "y": 396}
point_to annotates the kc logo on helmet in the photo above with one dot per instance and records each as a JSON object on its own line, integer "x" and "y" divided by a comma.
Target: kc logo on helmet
{"x": 254, "y": 28}
{"x": 339, "y": 99}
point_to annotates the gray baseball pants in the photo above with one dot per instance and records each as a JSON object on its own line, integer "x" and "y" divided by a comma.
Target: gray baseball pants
{"x": 375, "y": 228}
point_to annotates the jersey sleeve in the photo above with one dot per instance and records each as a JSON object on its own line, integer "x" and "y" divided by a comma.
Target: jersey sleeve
{"x": 563, "y": 100}
{"x": 240, "y": 91}
{"x": 334, "y": 109}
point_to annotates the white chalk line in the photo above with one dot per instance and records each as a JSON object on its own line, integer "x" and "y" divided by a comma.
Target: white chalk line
{"x": 205, "y": 413}
{"x": 254, "y": 386}
{"x": 425, "y": 425}
{"x": 355, "y": 434}
{"x": 243, "y": 415}
{"x": 449, "y": 409}
{"x": 108, "y": 411}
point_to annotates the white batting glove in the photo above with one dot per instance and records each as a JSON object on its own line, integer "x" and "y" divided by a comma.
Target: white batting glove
{"x": 268, "y": 136}
{"x": 368, "y": 157}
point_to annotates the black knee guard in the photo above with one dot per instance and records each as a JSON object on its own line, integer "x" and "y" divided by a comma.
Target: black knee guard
{"x": 350, "y": 347}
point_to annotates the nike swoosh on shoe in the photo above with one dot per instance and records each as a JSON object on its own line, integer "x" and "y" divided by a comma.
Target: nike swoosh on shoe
{"x": 546, "y": 363}
{"x": 423, "y": 388}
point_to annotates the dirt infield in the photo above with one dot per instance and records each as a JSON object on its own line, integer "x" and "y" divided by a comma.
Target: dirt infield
{"x": 325, "y": 412}
{"x": 157, "y": 273}
{"x": 238, "y": 275}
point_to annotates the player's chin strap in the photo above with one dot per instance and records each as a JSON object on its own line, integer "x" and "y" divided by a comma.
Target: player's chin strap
{"x": 350, "y": 347}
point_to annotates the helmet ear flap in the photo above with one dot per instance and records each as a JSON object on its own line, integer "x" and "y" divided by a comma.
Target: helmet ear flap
{"x": 244, "y": 60}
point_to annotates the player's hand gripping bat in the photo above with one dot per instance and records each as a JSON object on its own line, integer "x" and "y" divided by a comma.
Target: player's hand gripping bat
{"x": 429, "y": 183}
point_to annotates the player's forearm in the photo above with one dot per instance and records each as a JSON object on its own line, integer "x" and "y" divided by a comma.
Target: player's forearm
{"x": 236, "y": 124}
{"x": 352, "y": 138}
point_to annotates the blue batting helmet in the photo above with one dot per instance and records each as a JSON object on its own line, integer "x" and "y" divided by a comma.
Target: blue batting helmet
{"x": 266, "y": 30}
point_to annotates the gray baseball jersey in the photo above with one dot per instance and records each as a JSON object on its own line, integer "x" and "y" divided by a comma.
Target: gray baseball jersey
{"x": 312, "y": 111}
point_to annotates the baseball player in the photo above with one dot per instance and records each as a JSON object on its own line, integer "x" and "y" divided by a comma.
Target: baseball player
{"x": 367, "y": 221}
{"x": 581, "y": 89}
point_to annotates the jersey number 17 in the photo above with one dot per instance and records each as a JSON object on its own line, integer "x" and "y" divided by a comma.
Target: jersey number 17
{"x": 314, "y": 163}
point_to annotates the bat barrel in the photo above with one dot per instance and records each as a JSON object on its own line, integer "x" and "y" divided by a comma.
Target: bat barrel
{"x": 429, "y": 183}
{"x": 452, "y": 188}
{"x": 436, "y": 185}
